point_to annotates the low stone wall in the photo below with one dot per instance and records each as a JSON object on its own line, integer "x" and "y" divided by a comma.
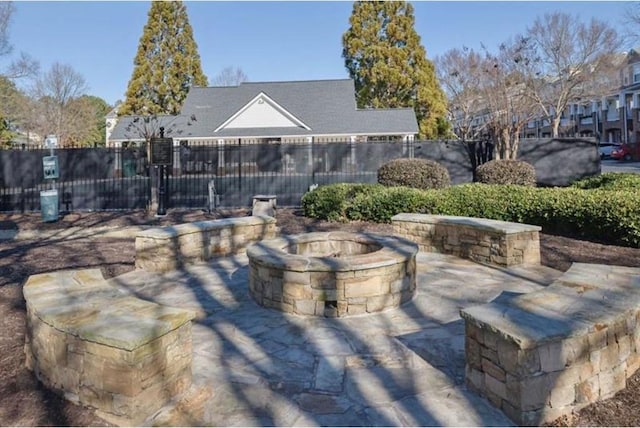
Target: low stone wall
{"x": 545, "y": 354}
{"x": 332, "y": 274}
{"x": 161, "y": 249}
{"x": 102, "y": 348}
{"x": 486, "y": 241}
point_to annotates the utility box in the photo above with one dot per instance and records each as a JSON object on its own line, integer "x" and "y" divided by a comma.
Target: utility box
{"x": 50, "y": 167}
{"x": 129, "y": 168}
{"x": 49, "y": 203}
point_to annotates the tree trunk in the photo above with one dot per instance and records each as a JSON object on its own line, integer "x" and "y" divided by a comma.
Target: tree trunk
{"x": 514, "y": 146}
{"x": 555, "y": 126}
{"x": 506, "y": 144}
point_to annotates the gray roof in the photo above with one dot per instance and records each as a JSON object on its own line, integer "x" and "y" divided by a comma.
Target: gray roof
{"x": 328, "y": 107}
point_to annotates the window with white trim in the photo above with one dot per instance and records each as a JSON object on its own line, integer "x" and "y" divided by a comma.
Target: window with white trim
{"x": 636, "y": 73}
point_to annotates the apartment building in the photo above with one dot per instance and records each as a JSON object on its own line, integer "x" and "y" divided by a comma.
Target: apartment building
{"x": 613, "y": 118}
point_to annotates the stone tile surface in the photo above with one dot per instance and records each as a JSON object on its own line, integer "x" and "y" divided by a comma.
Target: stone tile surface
{"x": 403, "y": 367}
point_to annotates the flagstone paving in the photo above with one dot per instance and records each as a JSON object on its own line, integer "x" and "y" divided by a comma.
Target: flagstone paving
{"x": 254, "y": 366}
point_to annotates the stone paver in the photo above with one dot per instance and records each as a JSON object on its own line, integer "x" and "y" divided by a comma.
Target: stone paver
{"x": 254, "y": 366}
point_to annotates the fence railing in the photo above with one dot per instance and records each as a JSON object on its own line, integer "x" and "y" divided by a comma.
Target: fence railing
{"x": 120, "y": 178}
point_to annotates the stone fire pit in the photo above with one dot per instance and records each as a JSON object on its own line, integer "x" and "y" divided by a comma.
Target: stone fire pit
{"x": 332, "y": 274}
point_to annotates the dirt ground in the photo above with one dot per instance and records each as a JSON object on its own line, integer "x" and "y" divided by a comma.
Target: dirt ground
{"x": 25, "y": 402}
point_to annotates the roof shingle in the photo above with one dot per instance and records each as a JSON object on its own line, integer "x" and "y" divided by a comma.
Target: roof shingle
{"x": 328, "y": 107}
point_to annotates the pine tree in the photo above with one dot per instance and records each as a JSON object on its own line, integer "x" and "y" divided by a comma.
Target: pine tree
{"x": 166, "y": 65}
{"x": 384, "y": 56}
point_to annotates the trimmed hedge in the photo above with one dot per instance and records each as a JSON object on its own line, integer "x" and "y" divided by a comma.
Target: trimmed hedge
{"x": 330, "y": 202}
{"x": 611, "y": 217}
{"x": 416, "y": 173}
{"x": 610, "y": 181}
{"x": 506, "y": 171}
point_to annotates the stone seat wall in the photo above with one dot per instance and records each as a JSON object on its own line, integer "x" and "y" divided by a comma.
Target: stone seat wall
{"x": 541, "y": 355}
{"x": 162, "y": 249}
{"x": 486, "y": 241}
{"x": 103, "y": 348}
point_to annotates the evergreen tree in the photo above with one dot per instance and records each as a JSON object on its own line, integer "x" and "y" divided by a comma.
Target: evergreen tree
{"x": 383, "y": 55}
{"x": 11, "y": 99}
{"x": 166, "y": 65}
{"x": 93, "y": 110}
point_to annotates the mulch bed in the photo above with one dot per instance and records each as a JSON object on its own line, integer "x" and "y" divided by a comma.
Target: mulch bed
{"x": 25, "y": 402}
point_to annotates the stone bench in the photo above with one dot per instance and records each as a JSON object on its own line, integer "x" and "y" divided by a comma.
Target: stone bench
{"x": 103, "y": 348}
{"x": 545, "y": 354}
{"x": 161, "y": 249}
{"x": 486, "y": 241}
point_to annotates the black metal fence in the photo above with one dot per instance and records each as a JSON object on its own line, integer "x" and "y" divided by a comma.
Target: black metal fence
{"x": 230, "y": 175}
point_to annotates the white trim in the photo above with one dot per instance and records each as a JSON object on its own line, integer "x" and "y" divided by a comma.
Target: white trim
{"x": 218, "y": 137}
{"x": 272, "y": 103}
{"x": 297, "y": 136}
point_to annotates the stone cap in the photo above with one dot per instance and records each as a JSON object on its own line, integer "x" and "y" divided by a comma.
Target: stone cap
{"x": 168, "y": 232}
{"x": 505, "y": 227}
{"x": 586, "y": 298}
{"x": 83, "y": 304}
{"x": 273, "y": 252}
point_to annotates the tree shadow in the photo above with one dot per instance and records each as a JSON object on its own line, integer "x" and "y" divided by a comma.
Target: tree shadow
{"x": 354, "y": 371}
{"x": 265, "y": 365}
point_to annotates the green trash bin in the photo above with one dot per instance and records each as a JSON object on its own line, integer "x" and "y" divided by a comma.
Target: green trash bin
{"x": 129, "y": 168}
{"x": 49, "y": 205}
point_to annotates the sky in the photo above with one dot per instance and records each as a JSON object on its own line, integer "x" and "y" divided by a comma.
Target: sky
{"x": 269, "y": 41}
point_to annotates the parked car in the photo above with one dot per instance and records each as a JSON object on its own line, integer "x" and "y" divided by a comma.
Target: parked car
{"x": 606, "y": 149}
{"x": 625, "y": 152}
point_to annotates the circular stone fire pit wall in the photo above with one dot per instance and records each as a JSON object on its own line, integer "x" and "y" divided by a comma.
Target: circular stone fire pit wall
{"x": 332, "y": 274}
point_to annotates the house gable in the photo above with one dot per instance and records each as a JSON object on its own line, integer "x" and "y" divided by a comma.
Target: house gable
{"x": 262, "y": 112}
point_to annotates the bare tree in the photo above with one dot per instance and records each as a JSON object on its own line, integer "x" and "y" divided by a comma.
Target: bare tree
{"x": 6, "y": 10}
{"x": 460, "y": 73}
{"x": 564, "y": 60}
{"x": 230, "y": 76}
{"x": 148, "y": 127}
{"x": 59, "y": 110}
{"x": 509, "y": 108}
{"x": 487, "y": 96}
{"x": 12, "y": 100}
{"x": 24, "y": 65}
{"x": 631, "y": 19}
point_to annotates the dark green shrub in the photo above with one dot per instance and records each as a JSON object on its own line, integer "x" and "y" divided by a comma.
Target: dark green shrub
{"x": 416, "y": 173}
{"x": 610, "y": 181}
{"x": 381, "y": 203}
{"x": 506, "y": 171}
{"x": 330, "y": 202}
{"x": 611, "y": 217}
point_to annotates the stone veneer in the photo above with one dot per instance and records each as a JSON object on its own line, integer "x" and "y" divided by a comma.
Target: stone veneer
{"x": 482, "y": 240}
{"x": 105, "y": 349}
{"x": 333, "y": 274}
{"x": 161, "y": 249}
{"x": 542, "y": 355}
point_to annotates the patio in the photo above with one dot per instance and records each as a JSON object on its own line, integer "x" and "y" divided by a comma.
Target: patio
{"x": 254, "y": 366}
